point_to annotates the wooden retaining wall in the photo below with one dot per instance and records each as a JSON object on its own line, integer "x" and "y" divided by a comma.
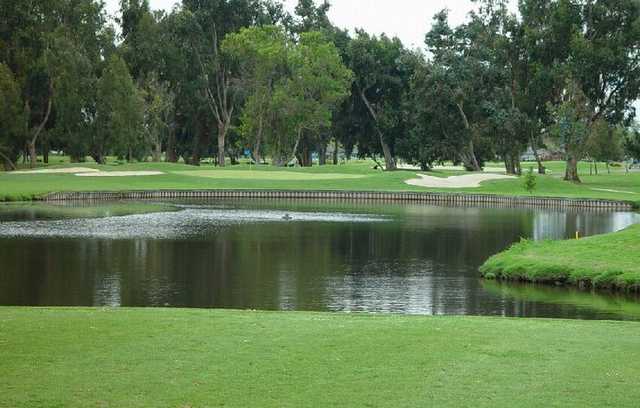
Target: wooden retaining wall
{"x": 426, "y": 197}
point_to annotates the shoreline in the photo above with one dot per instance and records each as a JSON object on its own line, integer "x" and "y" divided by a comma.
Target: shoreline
{"x": 399, "y": 196}
{"x": 601, "y": 262}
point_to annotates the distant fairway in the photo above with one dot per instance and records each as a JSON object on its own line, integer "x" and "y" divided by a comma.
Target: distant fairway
{"x": 268, "y": 175}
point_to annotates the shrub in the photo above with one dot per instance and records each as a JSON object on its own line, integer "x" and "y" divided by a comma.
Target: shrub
{"x": 530, "y": 181}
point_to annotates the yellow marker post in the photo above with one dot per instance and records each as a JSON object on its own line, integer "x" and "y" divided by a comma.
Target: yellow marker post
{"x": 577, "y": 234}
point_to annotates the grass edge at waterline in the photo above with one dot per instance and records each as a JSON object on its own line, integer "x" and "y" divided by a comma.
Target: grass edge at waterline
{"x": 609, "y": 261}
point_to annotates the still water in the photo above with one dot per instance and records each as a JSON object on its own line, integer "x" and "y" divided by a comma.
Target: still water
{"x": 291, "y": 255}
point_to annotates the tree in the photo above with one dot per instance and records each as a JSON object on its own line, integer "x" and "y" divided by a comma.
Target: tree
{"x": 158, "y": 113}
{"x": 541, "y": 46}
{"x": 205, "y": 25}
{"x": 631, "y": 140}
{"x": 379, "y": 83}
{"x": 572, "y": 127}
{"x": 318, "y": 83}
{"x": 119, "y": 114}
{"x": 605, "y": 62}
{"x": 11, "y": 117}
{"x": 462, "y": 80}
{"x": 27, "y": 40}
{"x": 605, "y": 144}
{"x": 72, "y": 74}
{"x": 422, "y": 143}
{"x": 261, "y": 55}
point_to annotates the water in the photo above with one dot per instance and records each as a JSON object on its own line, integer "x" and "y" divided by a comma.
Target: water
{"x": 293, "y": 255}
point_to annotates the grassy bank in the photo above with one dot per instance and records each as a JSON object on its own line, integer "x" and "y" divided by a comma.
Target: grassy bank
{"x": 604, "y": 261}
{"x": 355, "y": 176}
{"x": 197, "y": 358}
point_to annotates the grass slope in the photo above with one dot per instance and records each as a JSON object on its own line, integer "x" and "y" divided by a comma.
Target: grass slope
{"x": 199, "y": 358}
{"x": 355, "y": 176}
{"x": 604, "y": 261}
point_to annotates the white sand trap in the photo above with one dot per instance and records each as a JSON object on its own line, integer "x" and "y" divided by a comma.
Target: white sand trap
{"x": 613, "y": 191}
{"x": 465, "y": 181}
{"x": 120, "y": 174}
{"x": 66, "y": 170}
{"x": 500, "y": 170}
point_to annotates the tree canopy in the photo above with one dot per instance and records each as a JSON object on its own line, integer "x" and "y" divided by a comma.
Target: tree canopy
{"x": 223, "y": 78}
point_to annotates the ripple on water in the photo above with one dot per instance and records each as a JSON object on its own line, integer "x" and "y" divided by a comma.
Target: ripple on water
{"x": 167, "y": 225}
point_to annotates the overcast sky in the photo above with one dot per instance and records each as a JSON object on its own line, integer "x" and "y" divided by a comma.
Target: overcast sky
{"x": 409, "y": 20}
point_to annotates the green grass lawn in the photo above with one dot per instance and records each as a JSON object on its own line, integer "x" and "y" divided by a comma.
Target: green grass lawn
{"x": 604, "y": 261}
{"x": 201, "y": 358}
{"x": 356, "y": 176}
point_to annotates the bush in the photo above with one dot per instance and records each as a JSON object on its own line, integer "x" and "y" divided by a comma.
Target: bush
{"x": 530, "y": 180}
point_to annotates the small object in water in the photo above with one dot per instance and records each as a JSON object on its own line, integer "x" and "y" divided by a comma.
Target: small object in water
{"x": 287, "y": 217}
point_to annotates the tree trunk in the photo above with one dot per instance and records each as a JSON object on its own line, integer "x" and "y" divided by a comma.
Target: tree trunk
{"x": 222, "y": 134}
{"x": 472, "y": 161}
{"x": 468, "y": 158}
{"x": 595, "y": 166}
{"x": 295, "y": 147}
{"x": 33, "y": 156}
{"x": 335, "y": 152}
{"x": 8, "y": 163}
{"x": 389, "y": 161}
{"x": 256, "y": 150}
{"x": 322, "y": 154}
{"x": 572, "y": 170}
{"x": 45, "y": 151}
{"x": 32, "y": 143}
{"x": 534, "y": 148}
{"x": 156, "y": 155}
{"x": 171, "y": 155}
{"x": 98, "y": 158}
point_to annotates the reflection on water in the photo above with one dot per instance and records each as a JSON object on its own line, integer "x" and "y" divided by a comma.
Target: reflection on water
{"x": 328, "y": 256}
{"x": 528, "y": 298}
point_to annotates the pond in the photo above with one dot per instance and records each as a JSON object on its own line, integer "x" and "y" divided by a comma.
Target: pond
{"x": 290, "y": 255}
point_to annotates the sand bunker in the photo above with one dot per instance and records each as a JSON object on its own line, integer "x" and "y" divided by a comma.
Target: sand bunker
{"x": 276, "y": 175}
{"x": 66, "y": 170}
{"x": 120, "y": 174}
{"x": 607, "y": 190}
{"x": 500, "y": 170}
{"x": 465, "y": 181}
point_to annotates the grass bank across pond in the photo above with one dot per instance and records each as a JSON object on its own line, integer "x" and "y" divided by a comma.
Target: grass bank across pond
{"x": 604, "y": 261}
{"x": 38, "y": 210}
{"x": 213, "y": 358}
{"x": 355, "y": 176}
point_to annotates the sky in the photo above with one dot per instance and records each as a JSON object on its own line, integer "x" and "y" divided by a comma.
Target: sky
{"x": 408, "y": 20}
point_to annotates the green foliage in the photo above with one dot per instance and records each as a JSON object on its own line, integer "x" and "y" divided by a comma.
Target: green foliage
{"x": 246, "y": 74}
{"x": 158, "y": 113}
{"x": 74, "y": 85}
{"x": 530, "y": 181}
{"x": 605, "y": 143}
{"x": 11, "y": 117}
{"x": 631, "y": 140}
{"x": 380, "y": 82}
{"x": 119, "y": 114}
{"x": 571, "y": 126}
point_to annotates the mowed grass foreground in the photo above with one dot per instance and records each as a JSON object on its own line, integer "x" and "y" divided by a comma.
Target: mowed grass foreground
{"x": 201, "y": 358}
{"x": 354, "y": 176}
{"x": 603, "y": 261}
